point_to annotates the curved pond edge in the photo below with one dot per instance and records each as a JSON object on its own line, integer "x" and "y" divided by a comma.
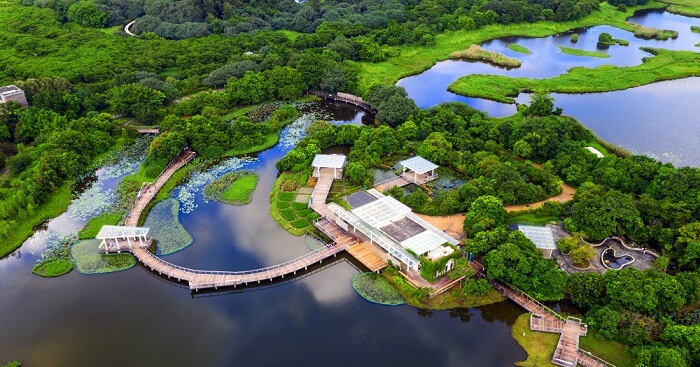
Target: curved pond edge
{"x": 614, "y": 254}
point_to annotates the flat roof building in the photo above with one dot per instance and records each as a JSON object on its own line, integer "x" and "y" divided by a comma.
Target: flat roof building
{"x": 393, "y": 226}
{"x": 542, "y": 237}
{"x": 13, "y": 93}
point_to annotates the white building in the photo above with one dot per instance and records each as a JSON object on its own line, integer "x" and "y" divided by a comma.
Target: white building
{"x": 13, "y": 93}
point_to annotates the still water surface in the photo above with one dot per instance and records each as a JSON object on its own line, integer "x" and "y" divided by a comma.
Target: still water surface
{"x": 133, "y": 318}
{"x": 660, "y": 120}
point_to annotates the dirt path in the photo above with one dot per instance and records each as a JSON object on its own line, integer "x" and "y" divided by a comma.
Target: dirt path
{"x": 453, "y": 224}
{"x": 567, "y": 193}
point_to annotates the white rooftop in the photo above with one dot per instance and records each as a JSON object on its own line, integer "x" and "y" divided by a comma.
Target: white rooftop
{"x": 541, "y": 236}
{"x": 423, "y": 242}
{"x": 329, "y": 161}
{"x": 108, "y": 232}
{"x": 382, "y": 211}
{"x": 595, "y": 151}
{"x": 418, "y": 165}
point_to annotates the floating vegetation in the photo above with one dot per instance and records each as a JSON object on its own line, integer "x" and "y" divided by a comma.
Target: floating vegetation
{"x": 55, "y": 260}
{"x": 292, "y": 134}
{"x": 376, "y": 289}
{"x": 94, "y": 201}
{"x": 235, "y": 188}
{"x": 88, "y": 260}
{"x": 126, "y": 160}
{"x": 201, "y": 178}
{"x": 445, "y": 182}
{"x": 165, "y": 227}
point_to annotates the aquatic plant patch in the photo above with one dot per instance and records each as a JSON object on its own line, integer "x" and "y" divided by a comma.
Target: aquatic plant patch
{"x": 165, "y": 227}
{"x": 88, "y": 260}
{"x": 579, "y": 52}
{"x": 55, "y": 260}
{"x": 292, "y": 134}
{"x": 126, "y": 161}
{"x": 92, "y": 202}
{"x": 202, "y": 177}
{"x": 519, "y": 48}
{"x": 235, "y": 188}
{"x": 376, "y": 289}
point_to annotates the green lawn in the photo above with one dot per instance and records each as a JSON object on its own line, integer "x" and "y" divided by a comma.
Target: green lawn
{"x": 539, "y": 346}
{"x": 665, "y": 65}
{"x": 579, "y": 52}
{"x": 519, "y": 48}
{"x": 532, "y": 219}
{"x": 93, "y": 226}
{"x": 614, "y": 352}
{"x": 53, "y": 268}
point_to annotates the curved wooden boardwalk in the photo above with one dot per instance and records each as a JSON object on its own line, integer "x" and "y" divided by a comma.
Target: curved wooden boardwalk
{"x": 213, "y": 279}
{"x": 347, "y": 98}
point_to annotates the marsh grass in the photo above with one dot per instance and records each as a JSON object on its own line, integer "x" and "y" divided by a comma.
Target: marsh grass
{"x": 664, "y": 65}
{"x": 519, "y": 48}
{"x": 477, "y": 53}
{"x": 579, "y": 52}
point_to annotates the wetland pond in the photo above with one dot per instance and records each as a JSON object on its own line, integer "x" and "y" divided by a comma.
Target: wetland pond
{"x": 661, "y": 120}
{"x": 134, "y": 318}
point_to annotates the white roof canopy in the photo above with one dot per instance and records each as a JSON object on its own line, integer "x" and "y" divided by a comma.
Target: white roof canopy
{"x": 328, "y": 161}
{"x": 423, "y": 242}
{"x": 109, "y": 232}
{"x": 381, "y": 212}
{"x": 541, "y": 236}
{"x": 418, "y": 165}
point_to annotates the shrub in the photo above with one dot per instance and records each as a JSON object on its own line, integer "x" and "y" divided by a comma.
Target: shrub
{"x": 299, "y": 206}
{"x": 282, "y": 205}
{"x": 287, "y": 196}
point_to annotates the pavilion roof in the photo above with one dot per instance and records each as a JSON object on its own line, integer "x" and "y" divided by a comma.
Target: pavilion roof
{"x": 107, "y": 232}
{"x": 418, "y": 165}
{"x": 328, "y": 161}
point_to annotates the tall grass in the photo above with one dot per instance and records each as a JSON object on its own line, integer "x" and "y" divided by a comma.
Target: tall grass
{"x": 477, "y": 53}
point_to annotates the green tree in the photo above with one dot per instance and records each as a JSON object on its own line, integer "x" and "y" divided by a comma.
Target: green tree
{"x": 485, "y": 213}
{"x": 581, "y": 254}
{"x": 605, "y": 38}
{"x": 436, "y": 148}
{"x": 137, "y": 101}
{"x": 586, "y": 289}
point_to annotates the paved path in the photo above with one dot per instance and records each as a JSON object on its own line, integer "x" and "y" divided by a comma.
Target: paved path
{"x": 128, "y": 27}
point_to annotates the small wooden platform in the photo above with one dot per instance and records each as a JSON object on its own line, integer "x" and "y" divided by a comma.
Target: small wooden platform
{"x": 369, "y": 258}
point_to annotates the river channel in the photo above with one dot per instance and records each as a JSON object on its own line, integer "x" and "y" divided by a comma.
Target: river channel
{"x": 133, "y": 318}
{"x": 661, "y": 120}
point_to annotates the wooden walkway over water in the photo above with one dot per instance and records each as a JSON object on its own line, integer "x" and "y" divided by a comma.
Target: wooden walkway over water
{"x": 543, "y": 318}
{"x": 346, "y": 98}
{"x": 213, "y": 279}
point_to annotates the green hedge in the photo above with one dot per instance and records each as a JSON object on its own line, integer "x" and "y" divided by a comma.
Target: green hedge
{"x": 282, "y": 205}
{"x": 286, "y": 196}
{"x": 288, "y": 214}
{"x": 299, "y": 206}
{"x": 301, "y": 223}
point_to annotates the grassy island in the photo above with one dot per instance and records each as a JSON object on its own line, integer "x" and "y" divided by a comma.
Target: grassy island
{"x": 664, "y": 65}
{"x": 519, "y": 48}
{"x": 53, "y": 268}
{"x": 477, "y": 53}
{"x": 235, "y": 188}
{"x": 579, "y": 52}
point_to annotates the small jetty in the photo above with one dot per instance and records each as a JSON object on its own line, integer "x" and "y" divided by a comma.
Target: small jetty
{"x": 543, "y": 318}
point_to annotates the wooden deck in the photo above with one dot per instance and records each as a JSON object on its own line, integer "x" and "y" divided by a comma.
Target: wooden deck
{"x": 397, "y": 181}
{"x": 347, "y": 98}
{"x": 542, "y": 318}
{"x": 320, "y": 193}
{"x": 566, "y": 354}
{"x": 365, "y": 253}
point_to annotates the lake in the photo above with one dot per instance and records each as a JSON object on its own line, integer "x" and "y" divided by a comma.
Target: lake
{"x": 136, "y": 318}
{"x": 660, "y": 120}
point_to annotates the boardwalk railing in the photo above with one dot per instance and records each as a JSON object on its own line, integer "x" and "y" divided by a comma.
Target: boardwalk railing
{"x": 347, "y": 98}
{"x": 594, "y": 357}
{"x": 503, "y": 289}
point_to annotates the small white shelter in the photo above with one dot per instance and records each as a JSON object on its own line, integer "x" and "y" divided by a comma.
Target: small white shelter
{"x": 113, "y": 237}
{"x": 13, "y": 93}
{"x": 423, "y": 169}
{"x": 541, "y": 236}
{"x": 334, "y": 161}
